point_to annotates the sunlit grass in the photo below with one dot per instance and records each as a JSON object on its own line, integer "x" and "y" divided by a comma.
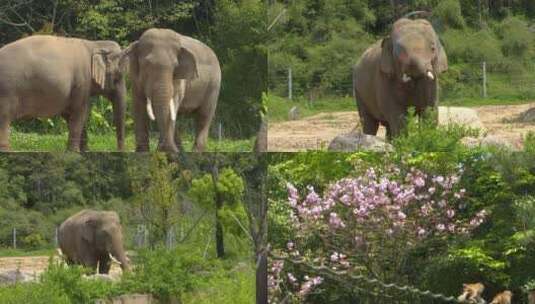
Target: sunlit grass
{"x": 33, "y": 142}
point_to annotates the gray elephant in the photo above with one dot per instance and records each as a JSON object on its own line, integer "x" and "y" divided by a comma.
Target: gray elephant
{"x": 172, "y": 74}
{"x": 399, "y": 72}
{"x": 45, "y": 76}
{"x": 92, "y": 238}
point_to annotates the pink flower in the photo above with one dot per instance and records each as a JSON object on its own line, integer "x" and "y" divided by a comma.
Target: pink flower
{"x": 421, "y": 232}
{"x": 335, "y": 222}
{"x": 441, "y": 227}
{"x": 290, "y": 245}
{"x": 450, "y": 213}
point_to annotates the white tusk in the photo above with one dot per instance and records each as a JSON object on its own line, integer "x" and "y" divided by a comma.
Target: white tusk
{"x": 406, "y": 78}
{"x": 430, "y": 75}
{"x": 172, "y": 109}
{"x": 149, "y": 109}
{"x": 114, "y": 259}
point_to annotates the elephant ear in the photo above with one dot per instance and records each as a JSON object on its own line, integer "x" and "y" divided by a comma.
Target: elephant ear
{"x": 88, "y": 231}
{"x": 441, "y": 64}
{"x": 98, "y": 68}
{"x": 126, "y": 57}
{"x": 187, "y": 65}
{"x": 387, "y": 57}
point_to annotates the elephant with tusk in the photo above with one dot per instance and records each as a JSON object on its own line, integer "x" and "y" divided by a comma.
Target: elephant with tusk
{"x": 399, "y": 72}
{"x": 93, "y": 239}
{"x": 172, "y": 74}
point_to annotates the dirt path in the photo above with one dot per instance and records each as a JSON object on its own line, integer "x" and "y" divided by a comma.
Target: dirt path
{"x": 316, "y": 132}
{"x": 35, "y": 265}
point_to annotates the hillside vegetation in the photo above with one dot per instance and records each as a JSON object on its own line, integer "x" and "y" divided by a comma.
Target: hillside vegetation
{"x": 321, "y": 40}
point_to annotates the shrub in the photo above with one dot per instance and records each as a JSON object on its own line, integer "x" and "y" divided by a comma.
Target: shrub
{"x": 166, "y": 274}
{"x": 449, "y": 13}
{"x": 516, "y": 37}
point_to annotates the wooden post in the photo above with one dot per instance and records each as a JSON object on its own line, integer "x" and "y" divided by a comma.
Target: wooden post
{"x": 290, "y": 84}
{"x": 484, "y": 79}
{"x": 220, "y": 132}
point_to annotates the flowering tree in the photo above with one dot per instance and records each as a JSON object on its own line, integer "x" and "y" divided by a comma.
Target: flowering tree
{"x": 368, "y": 225}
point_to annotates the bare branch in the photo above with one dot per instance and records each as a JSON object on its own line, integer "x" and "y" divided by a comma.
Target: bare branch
{"x": 12, "y": 23}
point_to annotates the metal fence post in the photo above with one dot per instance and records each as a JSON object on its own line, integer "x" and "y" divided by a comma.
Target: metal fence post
{"x": 220, "y": 132}
{"x": 290, "y": 84}
{"x": 484, "y": 79}
{"x": 56, "y": 240}
{"x": 14, "y": 238}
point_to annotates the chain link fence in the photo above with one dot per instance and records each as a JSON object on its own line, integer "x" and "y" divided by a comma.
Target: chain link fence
{"x": 487, "y": 80}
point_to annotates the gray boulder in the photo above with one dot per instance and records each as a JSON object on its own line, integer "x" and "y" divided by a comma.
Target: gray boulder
{"x": 359, "y": 142}
{"x": 487, "y": 141}
{"x": 16, "y": 276}
{"x": 461, "y": 116}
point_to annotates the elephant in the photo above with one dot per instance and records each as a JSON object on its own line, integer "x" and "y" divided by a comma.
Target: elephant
{"x": 45, "y": 76}
{"x": 172, "y": 74}
{"x": 398, "y": 72}
{"x": 92, "y": 238}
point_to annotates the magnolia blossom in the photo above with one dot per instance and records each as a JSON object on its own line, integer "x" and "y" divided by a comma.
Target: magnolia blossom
{"x": 309, "y": 285}
{"x": 366, "y": 214}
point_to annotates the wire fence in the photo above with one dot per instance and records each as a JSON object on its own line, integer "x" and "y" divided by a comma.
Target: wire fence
{"x": 486, "y": 79}
{"x": 135, "y": 237}
{"x": 372, "y": 290}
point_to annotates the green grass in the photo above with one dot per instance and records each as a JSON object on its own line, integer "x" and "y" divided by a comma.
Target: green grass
{"x": 22, "y": 253}
{"x": 106, "y": 143}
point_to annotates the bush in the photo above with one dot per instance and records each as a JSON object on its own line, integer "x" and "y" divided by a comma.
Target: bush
{"x": 449, "y": 13}
{"x": 516, "y": 37}
{"x": 33, "y": 293}
{"x": 425, "y": 136}
{"x": 166, "y": 274}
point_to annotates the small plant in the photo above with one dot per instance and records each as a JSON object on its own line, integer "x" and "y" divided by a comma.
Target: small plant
{"x": 529, "y": 286}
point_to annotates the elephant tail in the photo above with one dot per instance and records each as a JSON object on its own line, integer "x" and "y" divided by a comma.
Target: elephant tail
{"x": 150, "y": 112}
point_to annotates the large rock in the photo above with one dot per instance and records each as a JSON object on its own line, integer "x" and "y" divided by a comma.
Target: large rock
{"x": 526, "y": 117}
{"x": 458, "y": 115}
{"x": 487, "y": 141}
{"x": 16, "y": 276}
{"x": 111, "y": 277}
{"x": 359, "y": 142}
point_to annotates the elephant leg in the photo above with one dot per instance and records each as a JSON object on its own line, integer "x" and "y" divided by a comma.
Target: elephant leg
{"x": 104, "y": 265}
{"x": 5, "y": 122}
{"x": 5, "y": 126}
{"x": 397, "y": 121}
{"x": 84, "y": 143}
{"x": 141, "y": 121}
{"x": 77, "y": 120}
{"x": 203, "y": 121}
{"x": 370, "y": 125}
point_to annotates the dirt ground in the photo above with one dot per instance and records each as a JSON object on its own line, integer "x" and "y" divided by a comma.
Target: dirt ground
{"x": 316, "y": 132}
{"x": 34, "y": 265}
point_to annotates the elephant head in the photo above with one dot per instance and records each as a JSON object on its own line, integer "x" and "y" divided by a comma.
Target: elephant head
{"x": 107, "y": 71}
{"x": 93, "y": 237}
{"x": 104, "y": 232}
{"x": 413, "y": 52}
{"x": 158, "y": 63}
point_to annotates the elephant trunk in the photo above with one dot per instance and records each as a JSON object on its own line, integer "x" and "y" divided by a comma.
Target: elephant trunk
{"x": 117, "y": 251}
{"x": 119, "y": 114}
{"x": 160, "y": 101}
